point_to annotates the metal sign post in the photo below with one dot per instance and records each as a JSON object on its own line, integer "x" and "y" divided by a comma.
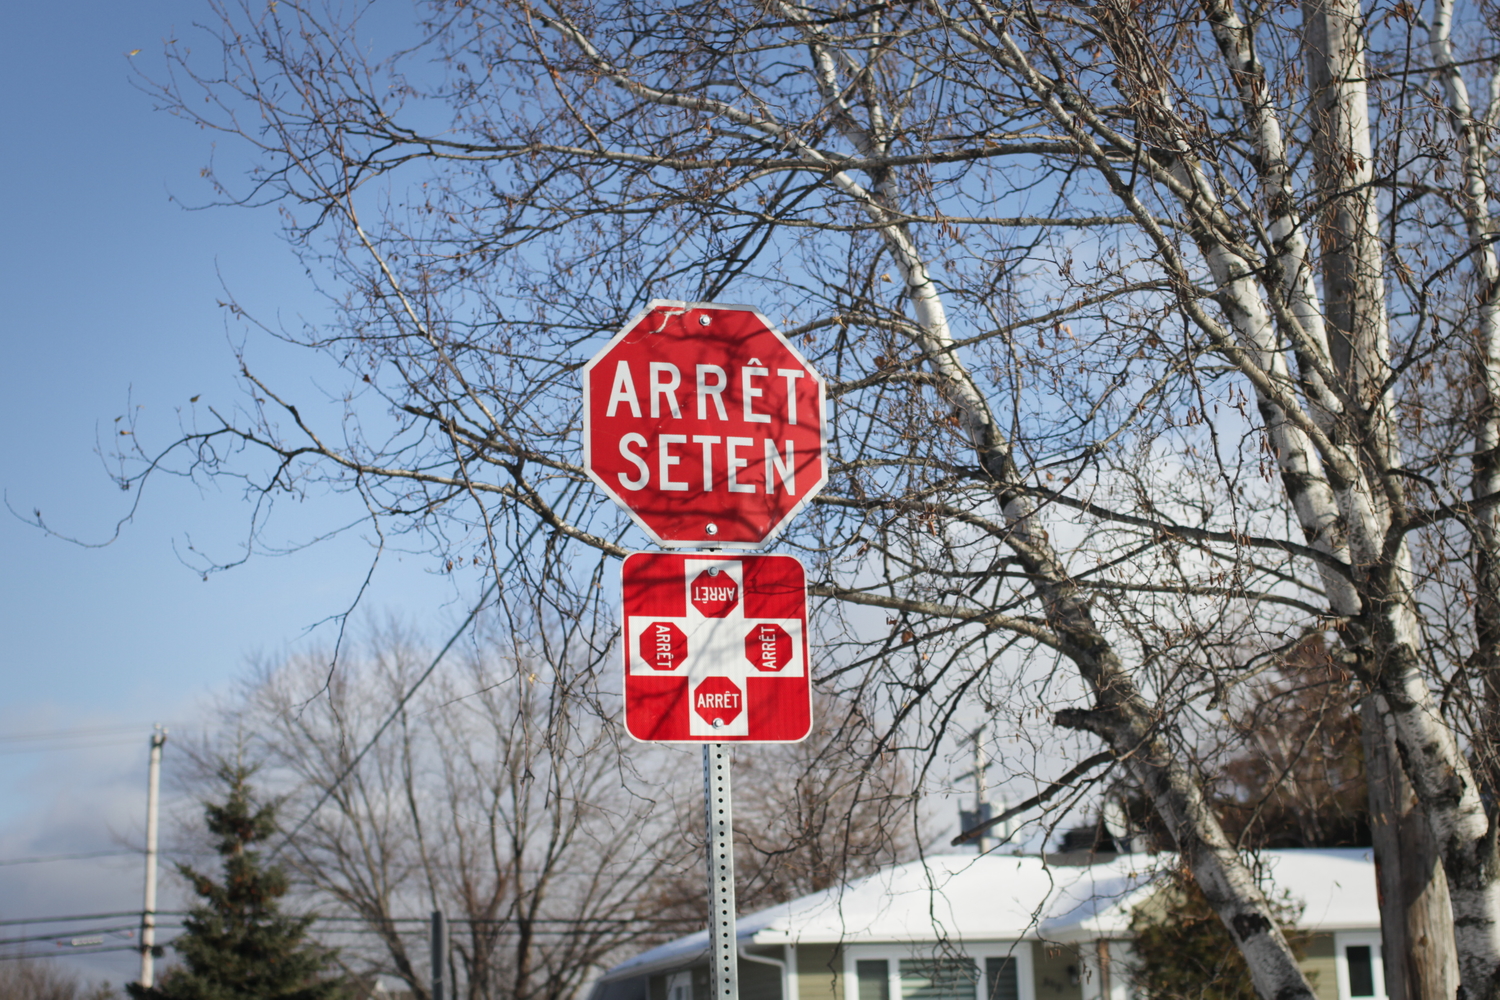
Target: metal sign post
{"x": 717, "y": 806}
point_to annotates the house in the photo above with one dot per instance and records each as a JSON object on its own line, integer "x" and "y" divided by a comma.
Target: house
{"x": 999, "y": 927}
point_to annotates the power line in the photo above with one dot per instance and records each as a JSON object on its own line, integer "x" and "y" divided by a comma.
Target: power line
{"x": 565, "y": 921}
{"x": 68, "y": 734}
{"x": 87, "y": 745}
{"x": 75, "y": 918}
{"x": 74, "y": 951}
{"x": 74, "y": 934}
{"x": 42, "y": 859}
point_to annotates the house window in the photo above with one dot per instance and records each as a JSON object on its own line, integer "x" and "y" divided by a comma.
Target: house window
{"x": 874, "y": 979}
{"x": 996, "y": 970}
{"x": 680, "y": 986}
{"x": 1361, "y": 972}
{"x": 938, "y": 978}
{"x": 1000, "y": 979}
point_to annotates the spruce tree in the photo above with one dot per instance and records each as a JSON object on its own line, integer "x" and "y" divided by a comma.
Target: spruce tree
{"x": 236, "y": 944}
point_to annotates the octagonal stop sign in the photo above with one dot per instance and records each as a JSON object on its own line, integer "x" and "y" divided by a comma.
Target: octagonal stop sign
{"x": 705, "y": 424}
{"x": 718, "y": 700}
{"x": 663, "y": 645}
{"x": 768, "y": 647}
{"x": 714, "y": 594}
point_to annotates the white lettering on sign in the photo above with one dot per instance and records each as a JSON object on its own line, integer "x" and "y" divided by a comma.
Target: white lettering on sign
{"x": 713, "y": 392}
{"x": 780, "y": 463}
{"x": 638, "y": 441}
{"x": 768, "y": 648}
{"x": 663, "y": 382}
{"x": 707, "y": 441}
{"x": 717, "y": 699}
{"x": 623, "y": 391}
{"x": 665, "y": 378}
{"x": 663, "y": 643}
{"x": 665, "y": 460}
{"x": 787, "y": 470}
{"x": 714, "y": 594}
{"x": 733, "y": 463}
{"x": 664, "y": 387}
{"x": 791, "y": 375}
{"x": 748, "y": 394}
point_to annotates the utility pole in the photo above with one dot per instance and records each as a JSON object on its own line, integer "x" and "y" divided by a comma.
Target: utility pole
{"x": 148, "y": 909}
{"x": 439, "y": 948}
{"x": 968, "y": 820}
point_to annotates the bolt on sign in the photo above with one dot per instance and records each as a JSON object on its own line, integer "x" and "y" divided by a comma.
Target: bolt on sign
{"x": 705, "y": 424}
{"x": 716, "y": 648}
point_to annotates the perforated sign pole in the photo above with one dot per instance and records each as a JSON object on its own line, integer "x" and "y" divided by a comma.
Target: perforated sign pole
{"x": 718, "y": 809}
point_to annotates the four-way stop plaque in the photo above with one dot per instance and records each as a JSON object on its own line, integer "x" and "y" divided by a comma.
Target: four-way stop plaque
{"x": 716, "y": 648}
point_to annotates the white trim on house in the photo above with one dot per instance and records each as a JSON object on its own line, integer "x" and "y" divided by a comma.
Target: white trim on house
{"x": 1372, "y": 965}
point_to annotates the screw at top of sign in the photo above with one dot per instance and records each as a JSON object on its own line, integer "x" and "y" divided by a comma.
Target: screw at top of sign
{"x": 703, "y": 320}
{"x": 711, "y": 529}
{"x": 713, "y": 571}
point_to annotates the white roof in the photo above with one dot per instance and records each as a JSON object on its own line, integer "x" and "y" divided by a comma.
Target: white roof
{"x": 964, "y": 897}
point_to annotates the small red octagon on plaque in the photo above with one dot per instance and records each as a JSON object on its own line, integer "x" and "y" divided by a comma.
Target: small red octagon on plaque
{"x": 714, "y": 594}
{"x": 718, "y": 698}
{"x": 663, "y": 645}
{"x": 768, "y": 647}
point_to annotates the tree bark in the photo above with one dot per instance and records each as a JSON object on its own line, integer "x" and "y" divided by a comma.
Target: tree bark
{"x": 1416, "y": 912}
{"x": 1416, "y": 916}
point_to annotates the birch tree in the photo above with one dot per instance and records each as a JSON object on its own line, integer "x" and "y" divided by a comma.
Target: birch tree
{"x": 1161, "y": 338}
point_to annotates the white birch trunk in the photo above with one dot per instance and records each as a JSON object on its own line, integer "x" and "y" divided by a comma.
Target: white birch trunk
{"x": 1471, "y": 135}
{"x": 1476, "y": 901}
{"x": 1438, "y": 769}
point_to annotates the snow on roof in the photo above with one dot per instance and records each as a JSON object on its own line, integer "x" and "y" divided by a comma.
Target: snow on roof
{"x": 964, "y": 897}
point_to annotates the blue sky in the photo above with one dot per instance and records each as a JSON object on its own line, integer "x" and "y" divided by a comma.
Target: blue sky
{"x": 111, "y": 295}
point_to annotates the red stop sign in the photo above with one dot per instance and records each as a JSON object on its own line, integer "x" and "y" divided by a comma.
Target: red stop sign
{"x": 705, "y": 424}
{"x": 718, "y": 698}
{"x": 714, "y": 594}
{"x": 663, "y": 645}
{"x": 768, "y": 647}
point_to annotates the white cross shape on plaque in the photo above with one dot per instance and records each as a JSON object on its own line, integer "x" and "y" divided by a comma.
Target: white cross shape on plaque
{"x": 715, "y": 646}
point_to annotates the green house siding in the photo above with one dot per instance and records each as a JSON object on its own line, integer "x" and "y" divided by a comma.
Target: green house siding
{"x": 819, "y": 971}
{"x": 1319, "y": 967}
{"x": 759, "y": 981}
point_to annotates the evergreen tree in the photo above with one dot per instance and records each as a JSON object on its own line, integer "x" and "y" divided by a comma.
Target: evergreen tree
{"x": 236, "y": 944}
